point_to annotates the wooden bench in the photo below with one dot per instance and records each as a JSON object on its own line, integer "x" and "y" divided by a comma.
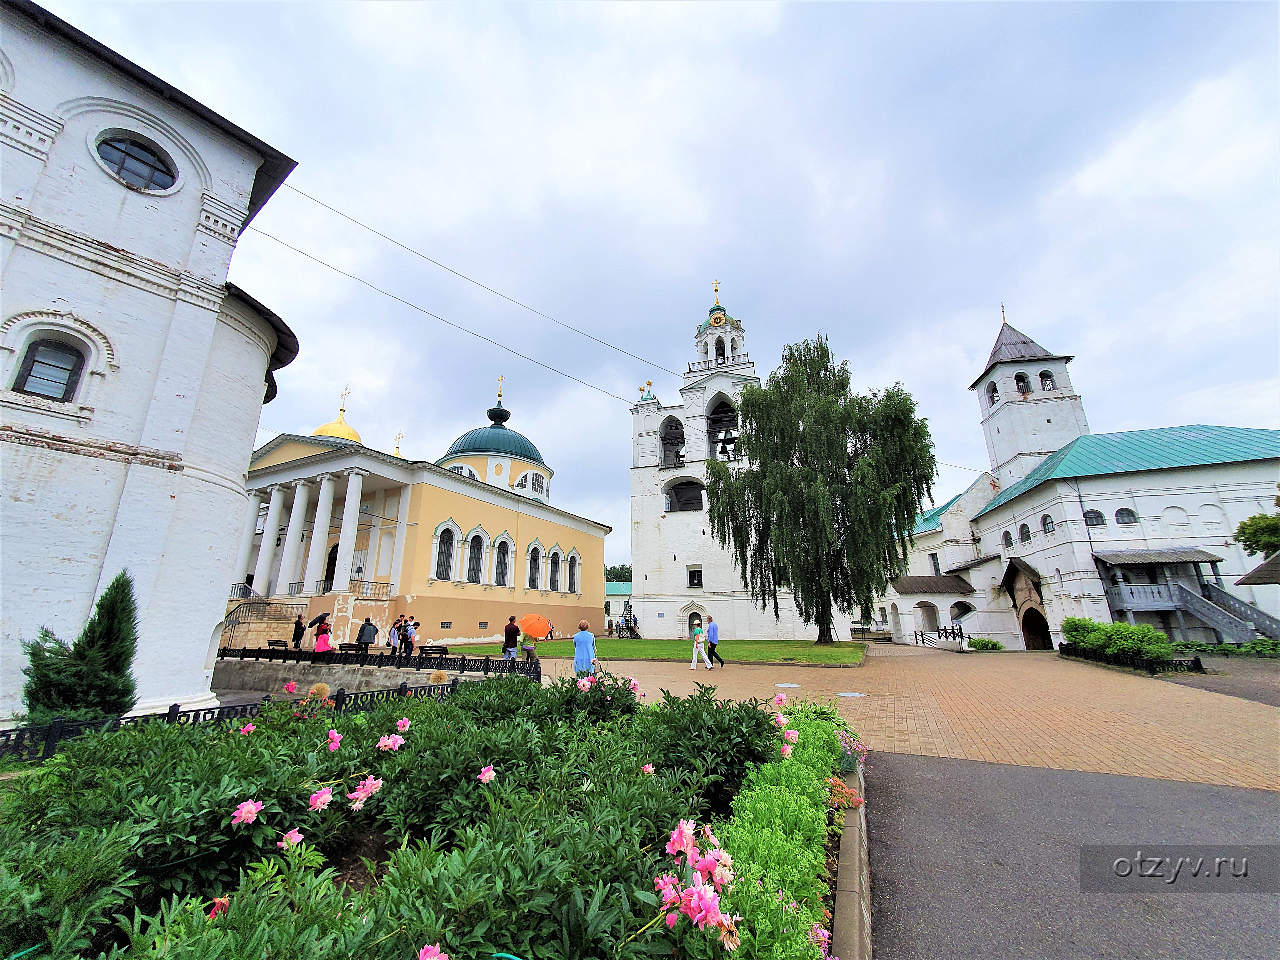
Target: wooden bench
{"x": 352, "y": 647}
{"x": 433, "y": 651}
{"x": 278, "y": 644}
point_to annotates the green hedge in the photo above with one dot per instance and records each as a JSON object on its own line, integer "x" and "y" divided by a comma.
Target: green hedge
{"x": 984, "y": 643}
{"x": 1119, "y": 639}
{"x": 555, "y": 858}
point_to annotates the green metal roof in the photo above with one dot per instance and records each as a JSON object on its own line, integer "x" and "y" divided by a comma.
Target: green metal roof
{"x": 1165, "y": 448}
{"x": 931, "y": 520}
{"x": 612, "y": 589}
{"x": 495, "y": 438}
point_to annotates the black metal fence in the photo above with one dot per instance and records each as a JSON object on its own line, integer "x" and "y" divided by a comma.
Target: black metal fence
{"x": 930, "y": 638}
{"x": 375, "y": 657}
{"x": 40, "y": 743}
{"x": 1132, "y": 660}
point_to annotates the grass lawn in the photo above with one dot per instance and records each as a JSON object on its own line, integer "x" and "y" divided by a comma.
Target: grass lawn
{"x": 612, "y": 648}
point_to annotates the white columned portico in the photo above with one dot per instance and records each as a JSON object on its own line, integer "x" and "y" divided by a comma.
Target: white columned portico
{"x": 267, "y": 551}
{"x": 397, "y": 551}
{"x": 253, "y": 507}
{"x": 292, "y": 557}
{"x": 347, "y": 535}
{"x": 319, "y": 534}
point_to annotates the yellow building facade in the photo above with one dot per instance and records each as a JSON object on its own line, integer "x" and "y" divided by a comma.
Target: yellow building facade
{"x": 460, "y": 544}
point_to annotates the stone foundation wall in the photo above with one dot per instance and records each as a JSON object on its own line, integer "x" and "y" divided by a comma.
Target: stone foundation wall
{"x": 266, "y": 677}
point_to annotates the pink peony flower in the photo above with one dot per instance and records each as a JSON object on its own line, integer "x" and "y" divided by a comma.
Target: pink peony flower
{"x": 584, "y": 684}
{"x": 779, "y": 699}
{"x": 365, "y": 789}
{"x": 486, "y": 775}
{"x": 247, "y": 729}
{"x": 647, "y": 768}
{"x": 335, "y": 738}
{"x": 672, "y": 917}
{"x": 681, "y": 841}
{"x": 432, "y": 952}
{"x": 786, "y": 749}
{"x": 402, "y": 724}
{"x": 633, "y": 684}
{"x": 220, "y": 905}
{"x": 294, "y": 836}
{"x": 392, "y": 742}
{"x": 291, "y": 687}
{"x": 321, "y": 798}
{"x": 246, "y": 812}
{"x": 791, "y": 736}
{"x": 779, "y": 720}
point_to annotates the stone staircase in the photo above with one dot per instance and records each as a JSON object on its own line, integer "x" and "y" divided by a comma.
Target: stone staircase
{"x": 1233, "y": 629}
{"x": 251, "y": 623}
{"x": 1263, "y": 622}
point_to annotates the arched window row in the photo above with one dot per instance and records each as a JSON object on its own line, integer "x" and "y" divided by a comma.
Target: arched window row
{"x": 474, "y": 559}
{"x": 1022, "y": 383}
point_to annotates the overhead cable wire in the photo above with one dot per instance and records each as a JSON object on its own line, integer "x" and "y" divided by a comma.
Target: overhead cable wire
{"x": 435, "y": 316}
{"x": 483, "y": 286}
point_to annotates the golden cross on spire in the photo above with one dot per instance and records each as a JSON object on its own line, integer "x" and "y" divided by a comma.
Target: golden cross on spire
{"x": 342, "y": 404}
{"x": 715, "y": 288}
{"x": 500, "y": 379}
{"x": 399, "y": 437}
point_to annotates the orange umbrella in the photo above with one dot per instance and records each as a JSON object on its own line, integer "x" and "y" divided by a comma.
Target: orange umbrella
{"x": 535, "y": 625}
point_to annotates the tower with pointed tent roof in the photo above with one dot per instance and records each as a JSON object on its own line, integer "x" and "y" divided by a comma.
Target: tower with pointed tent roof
{"x": 1028, "y": 406}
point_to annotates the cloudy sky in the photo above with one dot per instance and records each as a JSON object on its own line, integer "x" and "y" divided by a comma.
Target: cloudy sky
{"x": 885, "y": 174}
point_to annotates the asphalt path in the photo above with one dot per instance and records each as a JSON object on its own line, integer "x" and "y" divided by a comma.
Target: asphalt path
{"x": 982, "y": 860}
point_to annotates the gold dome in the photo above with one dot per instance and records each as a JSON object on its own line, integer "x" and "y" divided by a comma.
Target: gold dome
{"x": 338, "y": 428}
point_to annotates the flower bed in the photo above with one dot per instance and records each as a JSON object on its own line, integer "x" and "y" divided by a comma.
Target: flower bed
{"x": 539, "y": 822}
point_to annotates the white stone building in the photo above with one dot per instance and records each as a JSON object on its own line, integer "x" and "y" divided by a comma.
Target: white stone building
{"x": 132, "y": 376}
{"x": 680, "y": 573}
{"x": 1130, "y": 526}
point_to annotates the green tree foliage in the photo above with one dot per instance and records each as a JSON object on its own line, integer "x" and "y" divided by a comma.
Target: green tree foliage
{"x": 92, "y": 678}
{"x": 1260, "y": 533}
{"x": 618, "y": 573}
{"x": 833, "y": 483}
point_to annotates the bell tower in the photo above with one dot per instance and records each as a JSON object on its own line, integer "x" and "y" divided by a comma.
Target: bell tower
{"x": 720, "y": 339}
{"x": 1029, "y": 408}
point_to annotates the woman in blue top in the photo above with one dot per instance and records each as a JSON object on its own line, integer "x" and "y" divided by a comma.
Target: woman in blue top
{"x": 584, "y": 649}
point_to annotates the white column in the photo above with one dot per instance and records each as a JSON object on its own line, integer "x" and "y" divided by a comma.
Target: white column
{"x": 292, "y": 557}
{"x": 319, "y": 534}
{"x": 267, "y": 552}
{"x": 347, "y": 535}
{"x": 246, "y": 540}
{"x": 402, "y": 528}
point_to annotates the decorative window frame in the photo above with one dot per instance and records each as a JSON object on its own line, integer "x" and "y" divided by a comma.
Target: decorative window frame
{"x": 19, "y": 331}
{"x": 542, "y": 565}
{"x": 435, "y": 550}
{"x": 576, "y": 558}
{"x": 506, "y": 538}
{"x": 477, "y": 531}
{"x": 95, "y": 137}
{"x": 558, "y": 553}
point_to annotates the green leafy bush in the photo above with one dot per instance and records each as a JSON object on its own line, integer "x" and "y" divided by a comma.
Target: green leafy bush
{"x": 1120, "y": 640}
{"x": 984, "y": 643}
{"x": 91, "y": 679}
{"x": 554, "y": 858}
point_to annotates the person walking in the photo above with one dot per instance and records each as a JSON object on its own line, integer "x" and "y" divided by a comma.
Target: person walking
{"x": 699, "y": 649}
{"x": 367, "y": 634}
{"x": 510, "y": 639}
{"x": 322, "y": 634}
{"x": 713, "y": 639}
{"x": 299, "y": 631}
{"x": 408, "y": 634}
{"x": 584, "y": 649}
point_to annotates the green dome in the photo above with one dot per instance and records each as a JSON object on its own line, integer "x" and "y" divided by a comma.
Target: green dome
{"x": 495, "y": 439}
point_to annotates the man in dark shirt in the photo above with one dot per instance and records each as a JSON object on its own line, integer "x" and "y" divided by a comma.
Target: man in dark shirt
{"x": 510, "y": 639}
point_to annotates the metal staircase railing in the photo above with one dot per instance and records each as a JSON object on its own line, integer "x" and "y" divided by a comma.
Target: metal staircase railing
{"x": 1262, "y": 621}
{"x": 257, "y": 611}
{"x": 1233, "y": 629}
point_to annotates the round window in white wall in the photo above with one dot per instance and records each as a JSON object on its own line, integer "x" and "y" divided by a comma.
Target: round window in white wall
{"x": 135, "y": 161}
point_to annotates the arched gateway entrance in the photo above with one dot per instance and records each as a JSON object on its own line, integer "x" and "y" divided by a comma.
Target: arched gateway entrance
{"x": 1035, "y": 630}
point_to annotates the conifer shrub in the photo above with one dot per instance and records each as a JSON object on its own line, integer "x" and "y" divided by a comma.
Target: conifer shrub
{"x": 91, "y": 679}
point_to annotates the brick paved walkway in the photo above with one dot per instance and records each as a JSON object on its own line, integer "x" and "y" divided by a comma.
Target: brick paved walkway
{"x": 1032, "y": 709}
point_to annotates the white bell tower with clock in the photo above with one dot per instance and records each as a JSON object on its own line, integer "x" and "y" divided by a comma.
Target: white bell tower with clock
{"x": 680, "y": 573}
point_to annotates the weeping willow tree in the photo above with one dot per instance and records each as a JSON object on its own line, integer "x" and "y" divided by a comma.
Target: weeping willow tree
{"x": 832, "y": 483}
